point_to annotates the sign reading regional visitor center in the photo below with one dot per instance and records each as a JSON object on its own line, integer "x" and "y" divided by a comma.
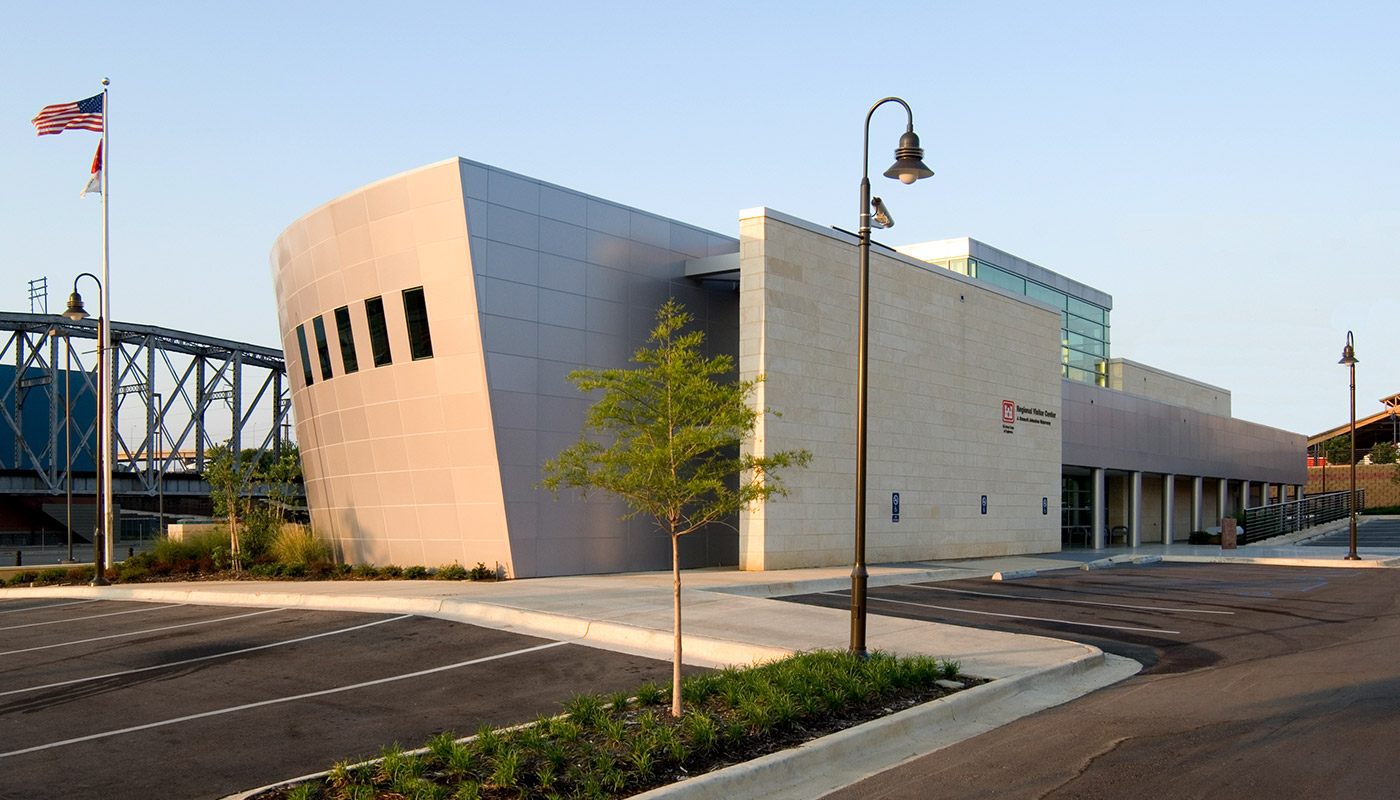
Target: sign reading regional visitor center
{"x": 1011, "y": 413}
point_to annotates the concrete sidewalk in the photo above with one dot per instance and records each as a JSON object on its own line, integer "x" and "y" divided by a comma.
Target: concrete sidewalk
{"x": 729, "y": 617}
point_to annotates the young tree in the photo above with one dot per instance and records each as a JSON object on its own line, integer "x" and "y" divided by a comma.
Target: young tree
{"x": 666, "y": 438}
{"x": 1384, "y": 453}
{"x": 228, "y": 489}
{"x": 1338, "y": 449}
{"x": 231, "y": 481}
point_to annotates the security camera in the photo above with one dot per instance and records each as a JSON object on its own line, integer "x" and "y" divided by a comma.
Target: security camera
{"x": 882, "y": 215}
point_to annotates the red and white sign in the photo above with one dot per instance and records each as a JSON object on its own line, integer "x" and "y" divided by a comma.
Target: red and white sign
{"x": 1008, "y": 411}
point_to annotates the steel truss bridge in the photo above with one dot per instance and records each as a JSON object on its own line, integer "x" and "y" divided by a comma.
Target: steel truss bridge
{"x": 173, "y": 382}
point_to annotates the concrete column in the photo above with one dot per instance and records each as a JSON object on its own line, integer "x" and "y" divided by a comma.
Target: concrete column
{"x": 1268, "y": 489}
{"x": 1244, "y": 495}
{"x": 1135, "y": 510}
{"x": 1197, "y": 499}
{"x": 1283, "y": 493}
{"x": 1097, "y": 512}
{"x": 1222, "y": 500}
{"x": 1168, "y": 508}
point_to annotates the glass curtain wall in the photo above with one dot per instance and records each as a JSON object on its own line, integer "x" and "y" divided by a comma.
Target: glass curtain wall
{"x": 1084, "y": 326}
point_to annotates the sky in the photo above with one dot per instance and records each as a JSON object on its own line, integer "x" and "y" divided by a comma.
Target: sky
{"x": 1227, "y": 171}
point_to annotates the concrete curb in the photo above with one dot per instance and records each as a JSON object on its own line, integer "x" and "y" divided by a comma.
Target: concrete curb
{"x": 1015, "y": 574}
{"x": 815, "y": 585}
{"x": 1364, "y": 563}
{"x": 618, "y": 637}
{"x": 840, "y": 759}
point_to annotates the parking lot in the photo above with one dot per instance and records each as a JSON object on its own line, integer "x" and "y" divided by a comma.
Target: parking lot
{"x": 138, "y": 700}
{"x": 1169, "y": 617}
{"x": 1262, "y": 681}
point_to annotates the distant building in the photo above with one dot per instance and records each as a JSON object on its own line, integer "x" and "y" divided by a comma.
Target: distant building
{"x": 429, "y": 320}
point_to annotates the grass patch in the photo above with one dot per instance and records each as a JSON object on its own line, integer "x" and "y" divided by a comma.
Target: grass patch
{"x": 297, "y": 544}
{"x": 617, "y": 745}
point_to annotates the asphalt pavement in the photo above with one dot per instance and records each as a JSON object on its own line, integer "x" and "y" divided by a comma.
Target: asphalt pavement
{"x": 1264, "y": 681}
{"x": 730, "y": 617}
{"x": 195, "y": 701}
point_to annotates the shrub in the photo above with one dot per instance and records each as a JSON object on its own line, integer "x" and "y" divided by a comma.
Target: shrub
{"x": 649, "y": 694}
{"x": 415, "y": 573}
{"x": 265, "y": 570}
{"x": 390, "y": 571}
{"x": 364, "y": 571}
{"x": 27, "y": 576}
{"x": 481, "y": 572}
{"x": 52, "y": 575}
{"x": 186, "y": 555}
{"x": 305, "y": 791}
{"x": 452, "y": 572}
{"x": 298, "y": 544}
{"x": 129, "y": 574}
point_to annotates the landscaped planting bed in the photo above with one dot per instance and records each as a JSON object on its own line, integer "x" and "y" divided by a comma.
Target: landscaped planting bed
{"x": 619, "y": 745}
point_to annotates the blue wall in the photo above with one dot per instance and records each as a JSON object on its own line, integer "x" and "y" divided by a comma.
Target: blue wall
{"x": 35, "y": 420}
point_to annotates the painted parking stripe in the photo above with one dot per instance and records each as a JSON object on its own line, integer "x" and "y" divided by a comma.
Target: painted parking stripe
{"x": 91, "y": 616}
{"x": 208, "y": 657}
{"x": 1076, "y": 602}
{"x": 1014, "y": 616}
{"x": 277, "y": 700}
{"x": 138, "y": 633}
{"x": 50, "y": 605}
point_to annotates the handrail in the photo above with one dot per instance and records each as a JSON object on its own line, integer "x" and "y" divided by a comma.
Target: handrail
{"x": 1264, "y": 522}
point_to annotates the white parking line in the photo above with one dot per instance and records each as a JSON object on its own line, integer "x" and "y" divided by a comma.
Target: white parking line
{"x": 1167, "y": 609}
{"x": 208, "y": 657}
{"x": 275, "y": 701}
{"x": 50, "y": 605}
{"x": 91, "y": 616}
{"x": 138, "y": 633}
{"x": 1014, "y": 616}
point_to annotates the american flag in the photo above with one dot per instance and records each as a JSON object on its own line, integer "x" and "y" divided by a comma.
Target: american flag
{"x": 85, "y": 115}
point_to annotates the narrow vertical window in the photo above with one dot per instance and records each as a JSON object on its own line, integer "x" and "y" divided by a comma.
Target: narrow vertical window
{"x": 323, "y": 350}
{"x": 378, "y": 331}
{"x": 415, "y": 312}
{"x": 305, "y": 356}
{"x": 347, "y": 340}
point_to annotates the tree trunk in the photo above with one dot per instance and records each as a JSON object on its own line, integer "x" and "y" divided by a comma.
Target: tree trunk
{"x": 676, "y": 601}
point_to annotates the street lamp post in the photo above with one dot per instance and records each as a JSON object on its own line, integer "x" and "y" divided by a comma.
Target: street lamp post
{"x": 58, "y": 333}
{"x": 908, "y": 167}
{"x": 102, "y": 540}
{"x": 1349, "y": 359}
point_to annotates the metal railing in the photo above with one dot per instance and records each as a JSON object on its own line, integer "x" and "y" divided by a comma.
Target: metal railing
{"x": 1264, "y": 522}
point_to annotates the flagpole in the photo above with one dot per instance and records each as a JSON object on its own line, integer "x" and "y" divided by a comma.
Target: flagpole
{"x": 105, "y": 334}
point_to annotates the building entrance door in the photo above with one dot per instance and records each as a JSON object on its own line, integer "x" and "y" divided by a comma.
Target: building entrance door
{"x": 1076, "y": 511}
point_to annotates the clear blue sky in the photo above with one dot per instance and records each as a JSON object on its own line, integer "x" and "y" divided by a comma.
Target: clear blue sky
{"x": 1226, "y": 170}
